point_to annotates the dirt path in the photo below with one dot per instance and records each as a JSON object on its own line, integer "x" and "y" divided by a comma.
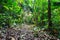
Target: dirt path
{"x": 26, "y": 33}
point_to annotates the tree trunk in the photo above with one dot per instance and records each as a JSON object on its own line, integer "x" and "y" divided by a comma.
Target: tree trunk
{"x": 49, "y": 15}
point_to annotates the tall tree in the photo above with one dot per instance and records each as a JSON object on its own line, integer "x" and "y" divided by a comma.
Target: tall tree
{"x": 49, "y": 14}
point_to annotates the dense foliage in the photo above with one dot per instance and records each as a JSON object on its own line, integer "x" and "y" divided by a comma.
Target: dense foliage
{"x": 31, "y": 12}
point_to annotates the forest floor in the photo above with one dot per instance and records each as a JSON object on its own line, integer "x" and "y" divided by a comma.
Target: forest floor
{"x": 26, "y": 33}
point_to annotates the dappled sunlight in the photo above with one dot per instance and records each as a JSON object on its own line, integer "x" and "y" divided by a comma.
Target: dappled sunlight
{"x": 29, "y": 19}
